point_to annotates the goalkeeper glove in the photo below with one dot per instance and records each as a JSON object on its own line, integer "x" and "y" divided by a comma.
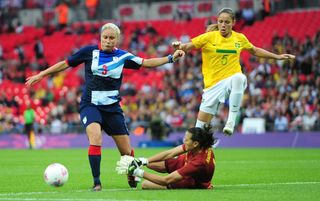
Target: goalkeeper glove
{"x": 135, "y": 170}
{"x": 140, "y": 161}
{"x": 123, "y": 164}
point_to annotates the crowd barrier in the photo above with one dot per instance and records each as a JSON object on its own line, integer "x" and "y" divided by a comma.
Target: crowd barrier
{"x": 274, "y": 139}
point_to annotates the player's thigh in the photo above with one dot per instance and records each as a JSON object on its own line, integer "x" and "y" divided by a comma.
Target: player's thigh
{"x": 212, "y": 97}
{"x": 204, "y": 116}
{"x": 173, "y": 164}
{"x": 184, "y": 183}
{"x": 114, "y": 123}
{"x": 28, "y": 128}
{"x": 91, "y": 119}
{"x": 237, "y": 82}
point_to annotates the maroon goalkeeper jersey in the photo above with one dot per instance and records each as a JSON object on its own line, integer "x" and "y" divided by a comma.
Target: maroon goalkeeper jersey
{"x": 197, "y": 169}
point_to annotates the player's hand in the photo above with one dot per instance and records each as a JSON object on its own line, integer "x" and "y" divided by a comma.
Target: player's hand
{"x": 123, "y": 164}
{"x": 178, "y": 54}
{"x": 33, "y": 79}
{"x": 132, "y": 167}
{"x": 176, "y": 45}
{"x": 134, "y": 170}
{"x": 141, "y": 161}
{"x": 287, "y": 57}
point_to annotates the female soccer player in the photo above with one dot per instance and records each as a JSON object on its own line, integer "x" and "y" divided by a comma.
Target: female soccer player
{"x": 190, "y": 165}
{"x": 221, "y": 68}
{"x": 99, "y": 106}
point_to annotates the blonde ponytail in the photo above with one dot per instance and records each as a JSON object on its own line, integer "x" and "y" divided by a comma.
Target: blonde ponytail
{"x": 212, "y": 27}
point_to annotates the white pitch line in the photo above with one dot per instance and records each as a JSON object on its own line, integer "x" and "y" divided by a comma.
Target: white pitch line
{"x": 55, "y": 192}
{"x": 271, "y": 161}
{"x": 66, "y": 199}
{"x": 269, "y": 184}
{"x": 15, "y": 196}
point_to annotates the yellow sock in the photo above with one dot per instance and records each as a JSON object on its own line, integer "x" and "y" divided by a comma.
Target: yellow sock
{"x": 32, "y": 139}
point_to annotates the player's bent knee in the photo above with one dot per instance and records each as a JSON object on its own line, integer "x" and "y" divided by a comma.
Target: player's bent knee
{"x": 239, "y": 81}
{"x": 239, "y": 78}
{"x": 144, "y": 185}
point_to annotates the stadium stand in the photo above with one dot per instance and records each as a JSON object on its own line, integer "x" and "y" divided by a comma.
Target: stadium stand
{"x": 171, "y": 93}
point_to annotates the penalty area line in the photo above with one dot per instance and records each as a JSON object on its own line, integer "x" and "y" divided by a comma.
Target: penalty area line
{"x": 269, "y": 184}
{"x": 17, "y": 195}
{"x": 55, "y": 192}
{"x": 68, "y": 199}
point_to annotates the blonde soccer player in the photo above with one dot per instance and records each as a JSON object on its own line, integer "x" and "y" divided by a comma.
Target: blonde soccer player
{"x": 223, "y": 78}
{"x": 100, "y": 108}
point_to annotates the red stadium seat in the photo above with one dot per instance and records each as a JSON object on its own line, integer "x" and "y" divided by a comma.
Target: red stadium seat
{"x": 165, "y": 9}
{"x": 126, "y": 11}
{"x": 204, "y": 7}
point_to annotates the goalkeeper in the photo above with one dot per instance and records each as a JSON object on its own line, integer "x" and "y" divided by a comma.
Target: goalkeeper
{"x": 190, "y": 165}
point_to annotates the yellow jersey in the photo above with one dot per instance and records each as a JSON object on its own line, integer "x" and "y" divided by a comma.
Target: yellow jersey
{"x": 220, "y": 56}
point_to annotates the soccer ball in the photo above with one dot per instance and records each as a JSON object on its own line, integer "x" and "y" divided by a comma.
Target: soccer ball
{"x": 56, "y": 174}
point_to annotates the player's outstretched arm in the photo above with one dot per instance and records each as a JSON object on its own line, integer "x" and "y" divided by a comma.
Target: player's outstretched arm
{"x": 161, "y": 180}
{"x": 177, "y": 45}
{"x": 154, "y": 62}
{"x": 60, "y": 66}
{"x": 166, "y": 154}
{"x": 259, "y": 52}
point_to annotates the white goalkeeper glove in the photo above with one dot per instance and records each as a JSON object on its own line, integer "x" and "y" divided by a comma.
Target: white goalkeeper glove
{"x": 137, "y": 172}
{"x": 141, "y": 161}
{"x": 129, "y": 165}
{"x": 123, "y": 164}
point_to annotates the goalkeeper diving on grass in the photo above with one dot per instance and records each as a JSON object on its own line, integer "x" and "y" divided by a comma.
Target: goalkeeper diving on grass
{"x": 190, "y": 165}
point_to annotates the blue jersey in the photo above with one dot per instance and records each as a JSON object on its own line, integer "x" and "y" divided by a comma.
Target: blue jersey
{"x": 103, "y": 74}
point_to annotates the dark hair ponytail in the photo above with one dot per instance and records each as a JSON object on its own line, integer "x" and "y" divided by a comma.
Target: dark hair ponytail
{"x": 203, "y": 135}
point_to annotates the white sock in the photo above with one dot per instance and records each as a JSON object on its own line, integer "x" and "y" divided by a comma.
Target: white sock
{"x": 238, "y": 84}
{"x": 200, "y": 124}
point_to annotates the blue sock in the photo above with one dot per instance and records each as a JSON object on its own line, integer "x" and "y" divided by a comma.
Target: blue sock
{"x": 95, "y": 160}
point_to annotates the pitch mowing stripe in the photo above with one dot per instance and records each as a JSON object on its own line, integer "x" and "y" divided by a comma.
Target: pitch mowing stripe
{"x": 125, "y": 189}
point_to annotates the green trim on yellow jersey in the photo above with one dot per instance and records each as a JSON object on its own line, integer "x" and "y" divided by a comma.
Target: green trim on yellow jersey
{"x": 220, "y": 55}
{"x": 226, "y": 51}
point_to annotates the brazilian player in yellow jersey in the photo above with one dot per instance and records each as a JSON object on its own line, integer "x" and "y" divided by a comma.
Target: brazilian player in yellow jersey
{"x": 223, "y": 78}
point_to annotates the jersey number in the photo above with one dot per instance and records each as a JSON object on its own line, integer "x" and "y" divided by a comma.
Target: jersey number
{"x": 224, "y": 59}
{"x": 105, "y": 69}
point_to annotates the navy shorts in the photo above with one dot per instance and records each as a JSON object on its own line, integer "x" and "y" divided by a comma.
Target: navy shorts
{"x": 113, "y": 123}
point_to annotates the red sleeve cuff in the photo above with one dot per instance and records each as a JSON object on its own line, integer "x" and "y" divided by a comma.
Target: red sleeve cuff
{"x": 184, "y": 147}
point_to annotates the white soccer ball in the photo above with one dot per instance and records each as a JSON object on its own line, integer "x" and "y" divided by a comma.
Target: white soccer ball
{"x": 56, "y": 174}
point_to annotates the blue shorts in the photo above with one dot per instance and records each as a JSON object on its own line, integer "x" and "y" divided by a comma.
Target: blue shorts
{"x": 113, "y": 123}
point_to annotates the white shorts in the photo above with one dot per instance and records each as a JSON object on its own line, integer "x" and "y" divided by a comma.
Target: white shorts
{"x": 218, "y": 93}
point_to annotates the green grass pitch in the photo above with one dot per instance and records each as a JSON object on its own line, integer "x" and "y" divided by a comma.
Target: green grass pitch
{"x": 241, "y": 174}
